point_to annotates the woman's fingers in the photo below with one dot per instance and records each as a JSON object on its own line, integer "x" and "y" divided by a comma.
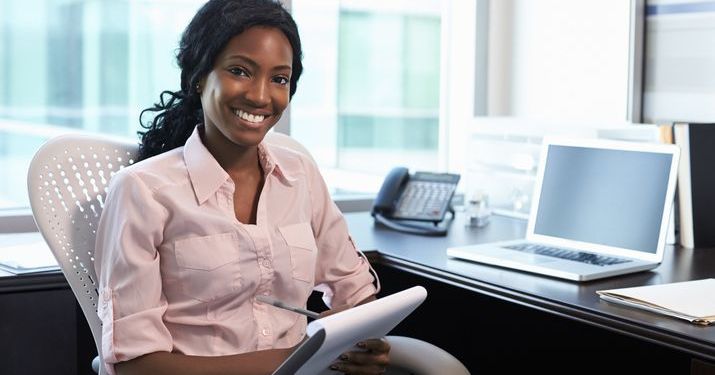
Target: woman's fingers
{"x": 372, "y": 360}
{"x": 366, "y": 358}
{"x": 376, "y": 345}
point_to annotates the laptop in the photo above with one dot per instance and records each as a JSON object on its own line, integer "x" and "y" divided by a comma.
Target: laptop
{"x": 600, "y": 208}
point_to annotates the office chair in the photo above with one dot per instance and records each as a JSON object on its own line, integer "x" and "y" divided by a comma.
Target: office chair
{"x": 67, "y": 184}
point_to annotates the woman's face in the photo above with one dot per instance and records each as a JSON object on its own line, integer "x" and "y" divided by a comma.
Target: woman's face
{"x": 248, "y": 89}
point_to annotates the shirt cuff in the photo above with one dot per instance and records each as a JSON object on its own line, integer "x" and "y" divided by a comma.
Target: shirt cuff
{"x": 133, "y": 335}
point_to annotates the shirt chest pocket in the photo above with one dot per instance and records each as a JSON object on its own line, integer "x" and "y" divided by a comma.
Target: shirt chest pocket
{"x": 208, "y": 266}
{"x": 303, "y": 250}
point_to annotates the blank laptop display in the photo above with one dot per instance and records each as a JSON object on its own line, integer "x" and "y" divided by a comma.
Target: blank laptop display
{"x": 600, "y": 208}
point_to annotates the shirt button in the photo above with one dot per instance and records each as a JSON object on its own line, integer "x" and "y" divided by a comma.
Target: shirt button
{"x": 266, "y": 263}
{"x": 265, "y": 331}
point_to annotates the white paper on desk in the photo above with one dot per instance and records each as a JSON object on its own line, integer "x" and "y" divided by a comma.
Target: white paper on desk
{"x": 338, "y": 333}
{"x": 687, "y": 299}
{"x": 28, "y": 257}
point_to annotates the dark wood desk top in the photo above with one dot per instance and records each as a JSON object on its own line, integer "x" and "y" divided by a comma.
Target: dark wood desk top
{"x": 578, "y": 301}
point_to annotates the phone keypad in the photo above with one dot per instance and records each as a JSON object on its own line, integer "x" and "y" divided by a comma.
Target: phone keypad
{"x": 424, "y": 200}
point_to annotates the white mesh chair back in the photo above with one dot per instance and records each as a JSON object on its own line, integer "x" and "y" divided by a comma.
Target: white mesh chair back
{"x": 67, "y": 183}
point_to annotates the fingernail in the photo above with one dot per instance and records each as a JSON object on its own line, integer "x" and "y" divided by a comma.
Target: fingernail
{"x": 334, "y": 367}
{"x": 343, "y": 357}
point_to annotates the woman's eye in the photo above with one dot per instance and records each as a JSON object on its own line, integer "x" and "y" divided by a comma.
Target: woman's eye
{"x": 281, "y": 80}
{"x": 238, "y": 72}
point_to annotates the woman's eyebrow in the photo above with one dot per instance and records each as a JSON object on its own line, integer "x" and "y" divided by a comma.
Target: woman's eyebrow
{"x": 248, "y": 61}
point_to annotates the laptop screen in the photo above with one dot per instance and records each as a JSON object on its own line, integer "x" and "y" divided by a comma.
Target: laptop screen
{"x": 603, "y": 196}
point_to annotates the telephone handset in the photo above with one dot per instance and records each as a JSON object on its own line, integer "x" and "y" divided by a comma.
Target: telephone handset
{"x": 421, "y": 197}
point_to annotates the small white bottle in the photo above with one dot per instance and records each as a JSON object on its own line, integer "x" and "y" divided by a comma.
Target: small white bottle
{"x": 478, "y": 211}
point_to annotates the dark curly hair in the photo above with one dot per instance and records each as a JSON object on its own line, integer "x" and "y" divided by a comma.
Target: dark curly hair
{"x": 177, "y": 113}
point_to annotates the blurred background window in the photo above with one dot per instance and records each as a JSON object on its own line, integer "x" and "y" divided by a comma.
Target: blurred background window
{"x": 369, "y": 98}
{"x": 79, "y": 66}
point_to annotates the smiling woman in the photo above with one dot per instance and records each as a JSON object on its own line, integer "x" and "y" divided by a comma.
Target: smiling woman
{"x": 212, "y": 216}
{"x": 243, "y": 97}
{"x": 220, "y": 56}
{"x": 247, "y": 91}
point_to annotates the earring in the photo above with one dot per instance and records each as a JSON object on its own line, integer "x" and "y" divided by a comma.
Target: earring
{"x": 198, "y": 88}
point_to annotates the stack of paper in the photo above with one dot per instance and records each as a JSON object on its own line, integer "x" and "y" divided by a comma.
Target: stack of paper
{"x": 27, "y": 258}
{"x": 689, "y": 300}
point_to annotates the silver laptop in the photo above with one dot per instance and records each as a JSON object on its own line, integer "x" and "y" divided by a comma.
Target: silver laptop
{"x": 600, "y": 208}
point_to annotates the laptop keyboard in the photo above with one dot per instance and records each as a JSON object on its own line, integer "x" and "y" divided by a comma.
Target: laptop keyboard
{"x": 577, "y": 256}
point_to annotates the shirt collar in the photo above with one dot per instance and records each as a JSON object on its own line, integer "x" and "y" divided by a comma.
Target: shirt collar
{"x": 272, "y": 166}
{"x": 207, "y": 175}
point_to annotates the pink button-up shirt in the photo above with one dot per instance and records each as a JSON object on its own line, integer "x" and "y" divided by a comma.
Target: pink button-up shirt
{"x": 179, "y": 273}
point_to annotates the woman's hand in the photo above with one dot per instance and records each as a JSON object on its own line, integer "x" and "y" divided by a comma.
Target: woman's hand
{"x": 372, "y": 359}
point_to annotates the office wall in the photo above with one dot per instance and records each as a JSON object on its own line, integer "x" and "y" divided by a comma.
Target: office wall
{"x": 553, "y": 68}
{"x": 560, "y": 60}
{"x": 560, "y": 68}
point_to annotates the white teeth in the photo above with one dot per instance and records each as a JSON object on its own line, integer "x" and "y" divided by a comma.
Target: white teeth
{"x": 249, "y": 117}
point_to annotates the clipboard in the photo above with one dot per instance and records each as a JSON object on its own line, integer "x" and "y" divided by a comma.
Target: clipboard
{"x": 335, "y": 334}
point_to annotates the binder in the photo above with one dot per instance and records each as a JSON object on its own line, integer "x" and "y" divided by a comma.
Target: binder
{"x": 696, "y": 183}
{"x": 688, "y": 300}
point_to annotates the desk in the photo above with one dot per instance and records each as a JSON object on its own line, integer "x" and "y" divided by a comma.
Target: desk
{"x": 567, "y": 313}
{"x": 42, "y": 328}
{"x": 494, "y": 320}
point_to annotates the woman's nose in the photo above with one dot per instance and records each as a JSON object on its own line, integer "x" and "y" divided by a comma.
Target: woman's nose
{"x": 258, "y": 93}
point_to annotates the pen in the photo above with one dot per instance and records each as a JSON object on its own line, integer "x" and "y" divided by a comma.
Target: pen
{"x": 277, "y": 303}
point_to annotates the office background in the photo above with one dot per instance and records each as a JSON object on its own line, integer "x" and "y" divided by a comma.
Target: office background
{"x": 462, "y": 86}
{"x": 415, "y": 83}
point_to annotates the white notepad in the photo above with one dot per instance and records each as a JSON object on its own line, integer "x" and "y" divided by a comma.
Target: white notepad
{"x": 335, "y": 334}
{"x": 689, "y": 300}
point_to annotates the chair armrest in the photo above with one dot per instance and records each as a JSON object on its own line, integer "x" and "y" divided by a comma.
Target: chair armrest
{"x": 422, "y": 358}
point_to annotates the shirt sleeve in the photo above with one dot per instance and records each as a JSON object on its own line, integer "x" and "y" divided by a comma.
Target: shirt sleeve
{"x": 131, "y": 303}
{"x": 342, "y": 273}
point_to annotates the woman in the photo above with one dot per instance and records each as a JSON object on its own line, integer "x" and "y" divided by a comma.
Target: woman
{"x": 212, "y": 216}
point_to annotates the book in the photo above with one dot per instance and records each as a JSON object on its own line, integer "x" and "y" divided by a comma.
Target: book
{"x": 33, "y": 257}
{"x": 688, "y": 300}
{"x": 333, "y": 335}
{"x": 696, "y": 182}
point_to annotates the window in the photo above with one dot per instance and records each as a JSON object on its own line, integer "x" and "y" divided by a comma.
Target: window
{"x": 79, "y": 66}
{"x": 370, "y": 95}
{"x": 369, "y": 98}
{"x": 386, "y": 83}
